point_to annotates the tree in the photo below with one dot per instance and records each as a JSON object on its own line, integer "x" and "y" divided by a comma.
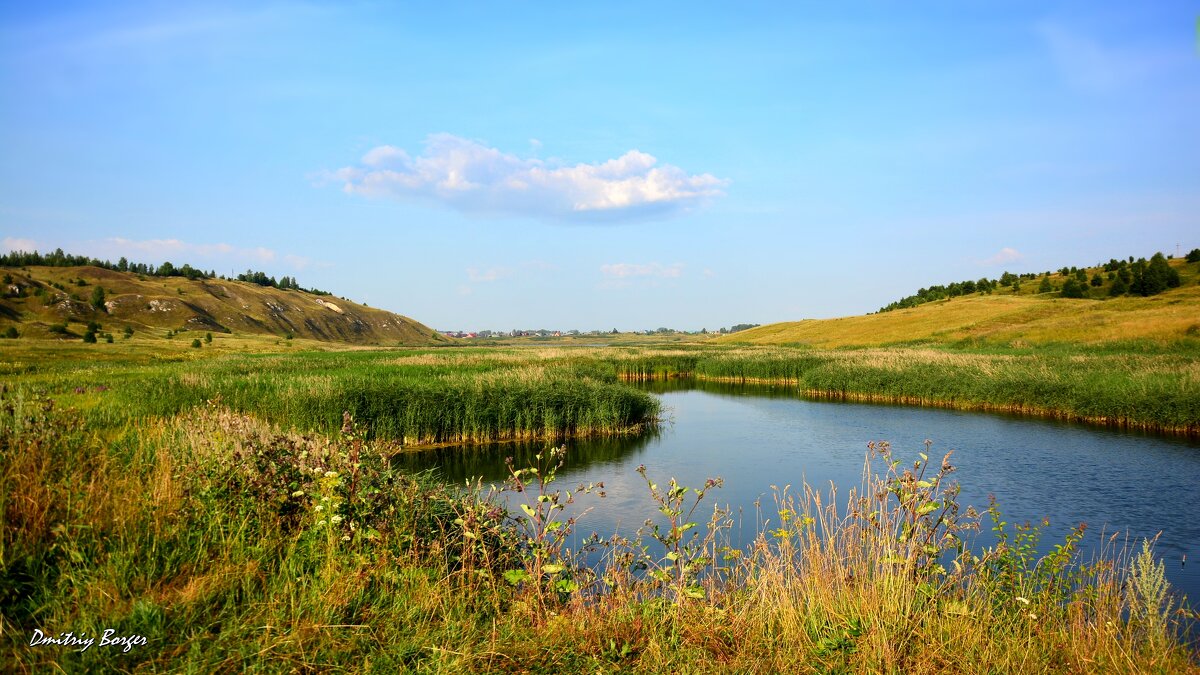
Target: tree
{"x": 90, "y": 336}
{"x": 1097, "y": 280}
{"x": 128, "y": 332}
{"x": 1119, "y": 287}
{"x": 1193, "y": 255}
{"x": 1154, "y": 277}
{"x": 1045, "y": 286}
{"x": 208, "y": 338}
{"x": 1072, "y": 289}
{"x": 196, "y": 343}
{"x": 11, "y": 332}
{"x": 98, "y": 299}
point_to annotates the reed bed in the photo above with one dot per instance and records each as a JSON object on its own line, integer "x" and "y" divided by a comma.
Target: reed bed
{"x": 1153, "y": 391}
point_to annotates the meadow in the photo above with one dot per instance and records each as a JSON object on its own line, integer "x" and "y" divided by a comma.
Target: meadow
{"x": 236, "y": 505}
{"x": 231, "y": 544}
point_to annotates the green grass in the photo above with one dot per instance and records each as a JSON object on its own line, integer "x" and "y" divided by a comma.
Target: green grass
{"x": 409, "y": 397}
{"x": 232, "y": 545}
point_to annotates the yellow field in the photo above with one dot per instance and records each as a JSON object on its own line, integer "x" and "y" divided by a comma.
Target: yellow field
{"x": 1001, "y": 319}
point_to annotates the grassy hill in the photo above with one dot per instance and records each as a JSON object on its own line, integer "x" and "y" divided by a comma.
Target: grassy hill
{"x": 1009, "y": 318}
{"x": 38, "y": 299}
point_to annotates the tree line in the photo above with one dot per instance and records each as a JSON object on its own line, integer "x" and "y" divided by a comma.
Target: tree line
{"x": 167, "y": 269}
{"x": 1125, "y": 277}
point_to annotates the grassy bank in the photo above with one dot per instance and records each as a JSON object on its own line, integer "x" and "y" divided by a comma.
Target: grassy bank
{"x": 230, "y": 544}
{"x": 409, "y": 397}
{"x": 1140, "y": 386}
{"x": 424, "y": 396}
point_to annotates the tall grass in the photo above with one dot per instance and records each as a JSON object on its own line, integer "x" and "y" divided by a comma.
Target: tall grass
{"x": 232, "y": 545}
{"x": 1156, "y": 390}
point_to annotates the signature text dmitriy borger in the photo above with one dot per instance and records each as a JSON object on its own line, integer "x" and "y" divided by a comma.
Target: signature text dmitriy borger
{"x": 83, "y": 642}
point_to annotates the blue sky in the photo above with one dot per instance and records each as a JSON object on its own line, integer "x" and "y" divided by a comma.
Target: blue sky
{"x": 599, "y": 165}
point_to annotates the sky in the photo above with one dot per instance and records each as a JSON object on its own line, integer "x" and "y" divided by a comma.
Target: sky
{"x": 603, "y": 165}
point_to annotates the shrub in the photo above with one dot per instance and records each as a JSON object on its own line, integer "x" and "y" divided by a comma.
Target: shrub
{"x": 98, "y": 299}
{"x": 208, "y": 338}
{"x": 196, "y": 343}
{"x": 59, "y": 328}
{"x": 1193, "y": 255}
{"x": 1073, "y": 289}
{"x": 128, "y": 332}
{"x": 11, "y": 332}
{"x": 90, "y": 336}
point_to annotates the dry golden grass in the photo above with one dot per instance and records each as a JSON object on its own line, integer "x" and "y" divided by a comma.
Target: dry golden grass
{"x": 1000, "y": 319}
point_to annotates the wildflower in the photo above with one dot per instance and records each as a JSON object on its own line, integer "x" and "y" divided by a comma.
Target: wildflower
{"x": 335, "y": 519}
{"x": 331, "y": 474}
{"x": 1033, "y": 616}
{"x": 1023, "y": 601}
{"x": 320, "y": 508}
{"x": 346, "y": 537}
{"x": 298, "y": 493}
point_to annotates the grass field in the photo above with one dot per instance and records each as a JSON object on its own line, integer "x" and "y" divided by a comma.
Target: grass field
{"x": 1007, "y": 319}
{"x": 217, "y": 542}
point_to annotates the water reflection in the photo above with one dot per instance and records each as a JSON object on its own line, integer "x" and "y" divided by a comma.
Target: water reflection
{"x": 756, "y": 437}
{"x": 487, "y": 461}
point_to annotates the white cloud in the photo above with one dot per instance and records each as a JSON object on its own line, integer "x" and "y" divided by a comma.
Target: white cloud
{"x": 1004, "y": 255}
{"x": 474, "y": 178}
{"x": 18, "y": 244}
{"x": 630, "y": 270}
{"x": 475, "y": 275}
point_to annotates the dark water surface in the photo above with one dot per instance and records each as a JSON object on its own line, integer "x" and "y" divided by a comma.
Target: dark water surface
{"x": 757, "y": 437}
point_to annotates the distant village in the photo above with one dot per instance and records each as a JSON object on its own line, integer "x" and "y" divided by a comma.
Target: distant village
{"x": 543, "y": 333}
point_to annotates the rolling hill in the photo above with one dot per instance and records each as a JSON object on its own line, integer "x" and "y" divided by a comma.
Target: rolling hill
{"x": 1005, "y": 317}
{"x": 39, "y": 300}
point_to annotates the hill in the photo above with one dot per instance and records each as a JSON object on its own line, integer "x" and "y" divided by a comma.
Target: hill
{"x": 43, "y": 302}
{"x": 1008, "y": 316}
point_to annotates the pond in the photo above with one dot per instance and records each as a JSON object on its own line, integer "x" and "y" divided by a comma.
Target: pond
{"x": 756, "y": 437}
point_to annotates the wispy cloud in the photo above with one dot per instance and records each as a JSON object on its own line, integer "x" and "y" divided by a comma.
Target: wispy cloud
{"x": 1088, "y": 64}
{"x": 521, "y": 270}
{"x": 18, "y": 244}
{"x": 632, "y": 270}
{"x": 473, "y": 178}
{"x": 491, "y": 274}
{"x": 1003, "y": 256}
{"x": 167, "y": 248}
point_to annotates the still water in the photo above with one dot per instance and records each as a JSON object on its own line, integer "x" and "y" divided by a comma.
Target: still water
{"x": 756, "y": 437}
